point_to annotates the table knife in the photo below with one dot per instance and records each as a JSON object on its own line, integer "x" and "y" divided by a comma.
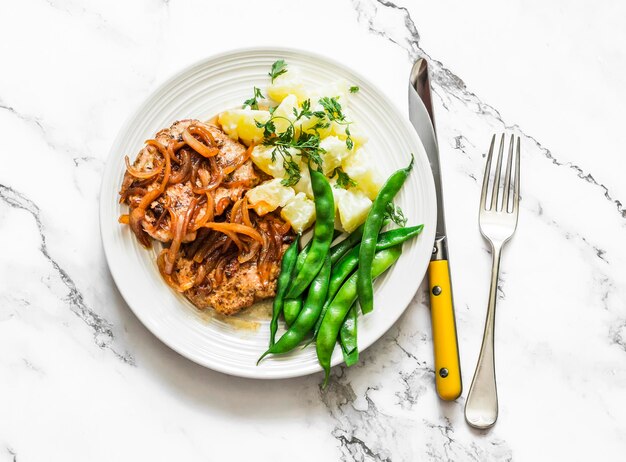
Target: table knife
{"x": 445, "y": 344}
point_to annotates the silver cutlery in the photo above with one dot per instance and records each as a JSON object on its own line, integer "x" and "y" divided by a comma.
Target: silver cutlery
{"x": 499, "y": 207}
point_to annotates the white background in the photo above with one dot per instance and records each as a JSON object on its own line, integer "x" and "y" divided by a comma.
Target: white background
{"x": 82, "y": 379}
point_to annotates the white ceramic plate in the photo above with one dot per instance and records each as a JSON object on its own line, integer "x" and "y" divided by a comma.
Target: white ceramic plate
{"x": 201, "y": 91}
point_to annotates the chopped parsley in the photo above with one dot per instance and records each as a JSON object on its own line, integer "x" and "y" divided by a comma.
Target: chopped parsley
{"x": 343, "y": 179}
{"x": 278, "y": 68}
{"x": 334, "y": 112}
{"x": 287, "y": 144}
{"x": 253, "y": 102}
{"x": 294, "y": 141}
{"x": 306, "y": 111}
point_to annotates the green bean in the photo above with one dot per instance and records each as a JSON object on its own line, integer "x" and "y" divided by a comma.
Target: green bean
{"x": 373, "y": 223}
{"x": 349, "y": 261}
{"x": 322, "y": 235}
{"x": 291, "y": 309}
{"x": 308, "y": 315}
{"x": 339, "y": 307}
{"x": 339, "y": 250}
{"x": 305, "y": 251}
{"x": 348, "y": 337}
{"x": 286, "y": 268}
{"x": 301, "y": 258}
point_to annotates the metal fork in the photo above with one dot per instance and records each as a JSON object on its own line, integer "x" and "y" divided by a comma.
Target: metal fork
{"x": 498, "y": 220}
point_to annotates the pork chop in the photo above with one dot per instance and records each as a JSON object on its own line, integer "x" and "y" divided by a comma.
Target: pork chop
{"x": 179, "y": 196}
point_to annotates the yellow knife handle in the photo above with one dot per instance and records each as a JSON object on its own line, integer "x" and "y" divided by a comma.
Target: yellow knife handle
{"x": 445, "y": 345}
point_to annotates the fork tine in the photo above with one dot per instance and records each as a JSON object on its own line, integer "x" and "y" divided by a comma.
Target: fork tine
{"x": 483, "y": 194}
{"x": 507, "y": 177}
{"x": 516, "y": 186}
{"x": 496, "y": 183}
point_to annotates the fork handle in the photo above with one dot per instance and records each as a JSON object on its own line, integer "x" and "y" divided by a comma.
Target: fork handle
{"x": 445, "y": 345}
{"x": 481, "y": 407}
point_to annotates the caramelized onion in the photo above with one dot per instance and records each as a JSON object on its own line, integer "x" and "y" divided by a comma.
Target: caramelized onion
{"x": 204, "y": 133}
{"x": 141, "y": 174}
{"x": 189, "y": 213}
{"x": 245, "y": 213}
{"x": 178, "y": 228}
{"x": 208, "y": 212}
{"x": 219, "y": 269}
{"x": 211, "y": 245}
{"x": 138, "y": 214}
{"x": 161, "y": 263}
{"x": 215, "y": 180}
{"x": 184, "y": 172}
{"x": 235, "y": 212}
{"x": 236, "y": 228}
{"x": 199, "y": 147}
{"x": 249, "y": 254}
{"x": 221, "y": 205}
{"x": 134, "y": 191}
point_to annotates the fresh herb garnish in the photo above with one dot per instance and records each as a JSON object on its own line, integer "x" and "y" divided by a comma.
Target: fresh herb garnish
{"x": 295, "y": 141}
{"x": 349, "y": 142}
{"x": 333, "y": 110}
{"x": 278, "y": 68}
{"x": 343, "y": 179}
{"x": 395, "y": 213}
{"x": 306, "y": 112}
{"x": 286, "y": 144}
{"x": 354, "y": 89}
{"x": 253, "y": 102}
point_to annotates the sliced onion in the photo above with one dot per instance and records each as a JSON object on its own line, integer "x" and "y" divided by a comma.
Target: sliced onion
{"x": 236, "y": 210}
{"x": 161, "y": 263}
{"x": 199, "y": 147}
{"x": 141, "y": 174}
{"x": 138, "y": 214}
{"x": 245, "y": 213}
{"x": 178, "y": 224}
{"x": 184, "y": 172}
{"x": 248, "y": 255}
{"x": 236, "y": 228}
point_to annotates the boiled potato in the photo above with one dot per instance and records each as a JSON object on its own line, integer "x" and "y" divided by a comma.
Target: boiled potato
{"x": 360, "y": 167}
{"x": 299, "y": 212}
{"x": 338, "y": 89}
{"x": 284, "y": 113}
{"x": 270, "y": 195}
{"x": 262, "y": 157}
{"x": 336, "y": 152}
{"x": 353, "y": 207}
{"x": 304, "y": 185}
{"x": 289, "y": 83}
{"x": 306, "y": 124}
{"x": 240, "y": 124}
{"x": 339, "y": 130}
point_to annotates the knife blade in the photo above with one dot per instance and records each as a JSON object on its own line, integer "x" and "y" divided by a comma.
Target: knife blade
{"x": 445, "y": 344}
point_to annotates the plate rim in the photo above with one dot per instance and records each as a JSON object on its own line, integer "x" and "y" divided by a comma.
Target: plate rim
{"x": 167, "y": 81}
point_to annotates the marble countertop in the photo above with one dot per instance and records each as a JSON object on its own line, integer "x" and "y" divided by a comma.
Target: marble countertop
{"x": 82, "y": 379}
